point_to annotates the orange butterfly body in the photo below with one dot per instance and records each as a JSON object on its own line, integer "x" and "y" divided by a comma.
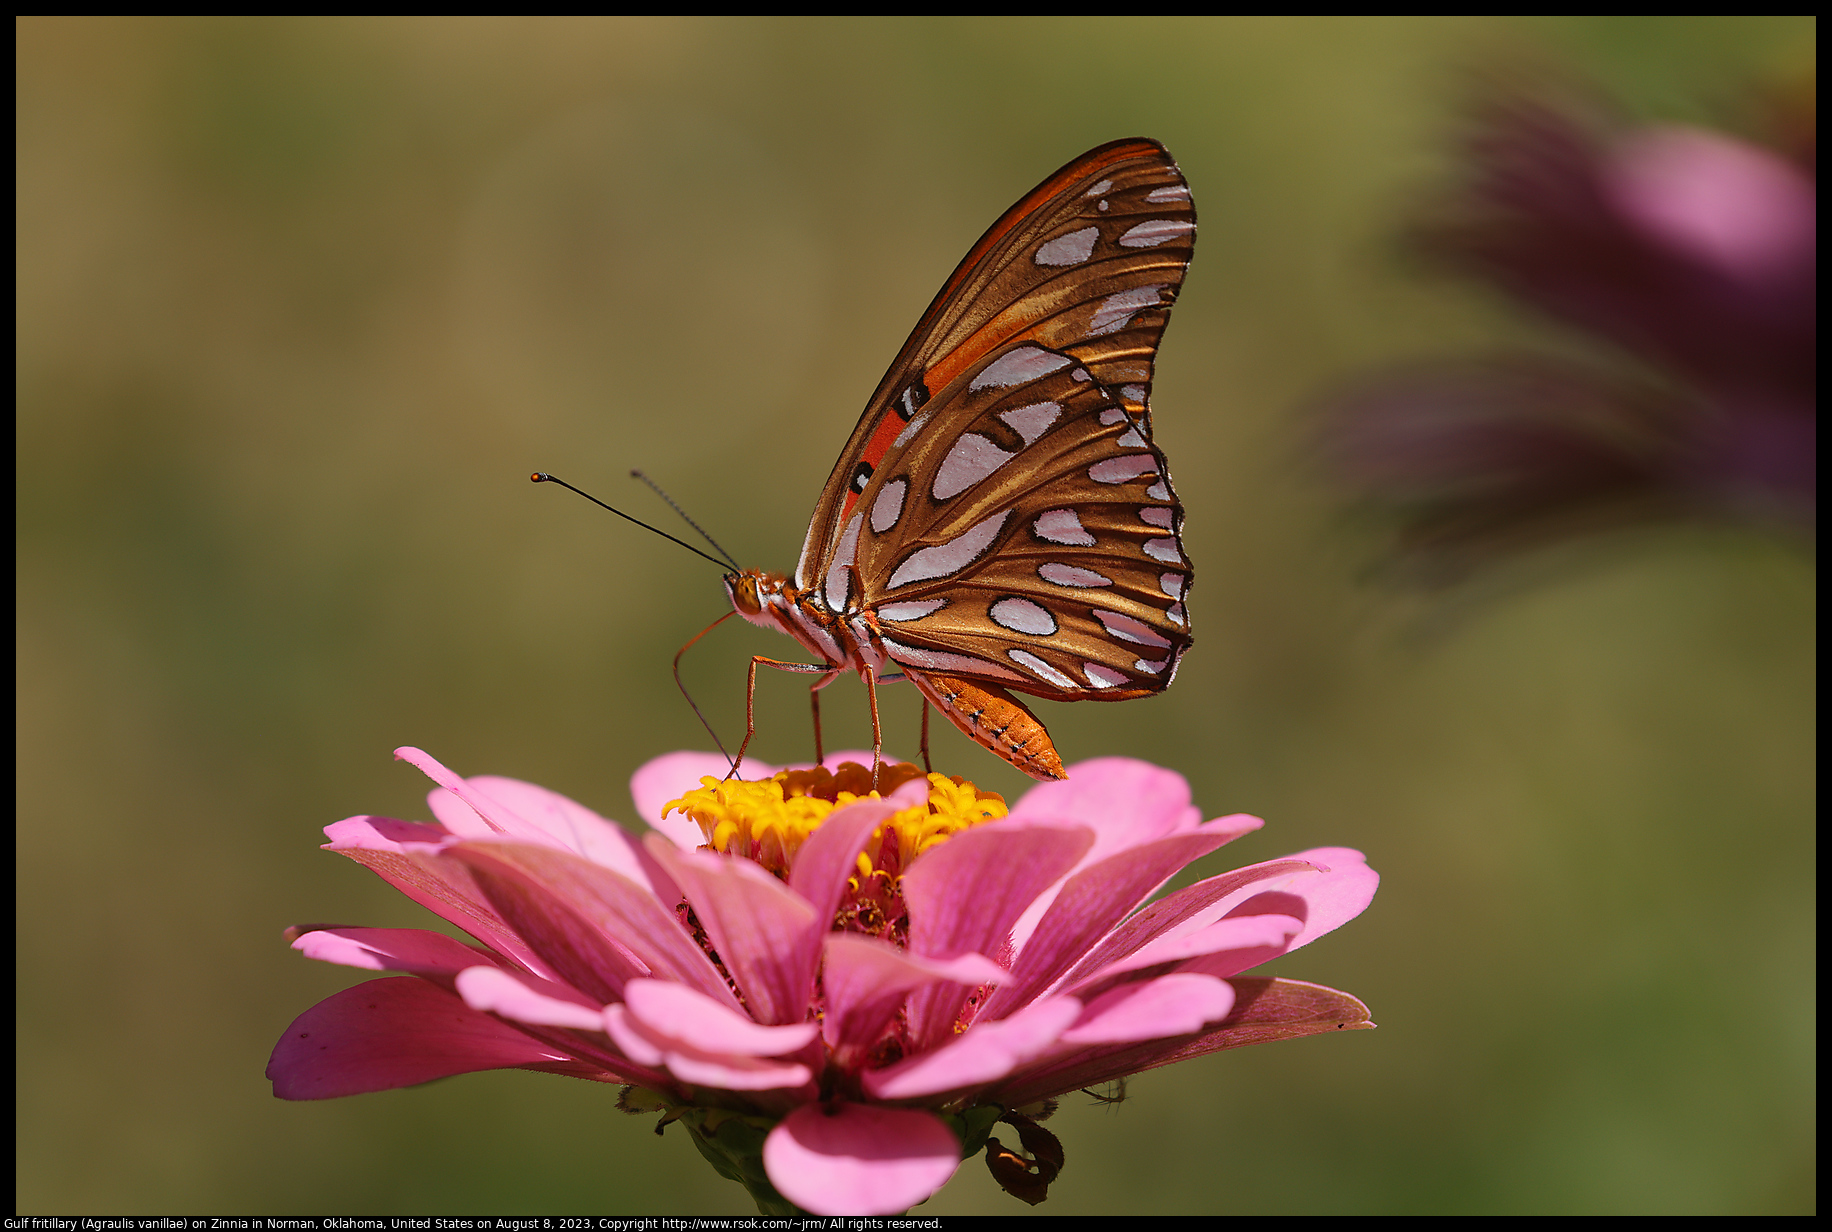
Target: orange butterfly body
{"x": 1000, "y": 520}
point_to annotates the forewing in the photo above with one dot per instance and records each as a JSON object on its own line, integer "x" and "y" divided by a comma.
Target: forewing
{"x": 1086, "y": 265}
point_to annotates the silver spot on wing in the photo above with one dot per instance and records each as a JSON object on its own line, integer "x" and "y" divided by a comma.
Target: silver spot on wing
{"x": 889, "y": 506}
{"x": 1042, "y": 669}
{"x": 971, "y": 459}
{"x": 1064, "y": 527}
{"x": 1117, "y": 310}
{"x": 1124, "y": 468}
{"x": 1070, "y": 249}
{"x": 838, "y": 582}
{"x": 1069, "y": 575}
{"x": 1031, "y": 422}
{"x": 915, "y": 609}
{"x": 1155, "y": 231}
{"x": 1021, "y": 364}
{"x": 1129, "y": 630}
{"x": 946, "y": 559}
{"x": 1023, "y": 616}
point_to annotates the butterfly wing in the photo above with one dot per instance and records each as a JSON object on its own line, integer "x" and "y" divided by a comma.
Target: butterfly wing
{"x": 1035, "y": 544}
{"x": 1086, "y": 265}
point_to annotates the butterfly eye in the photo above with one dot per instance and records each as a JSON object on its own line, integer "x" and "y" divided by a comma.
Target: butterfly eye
{"x": 742, "y": 589}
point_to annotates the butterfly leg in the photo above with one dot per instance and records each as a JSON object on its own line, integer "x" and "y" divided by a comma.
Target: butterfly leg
{"x": 877, "y": 733}
{"x": 927, "y": 768}
{"x": 814, "y": 704}
{"x": 828, "y": 674}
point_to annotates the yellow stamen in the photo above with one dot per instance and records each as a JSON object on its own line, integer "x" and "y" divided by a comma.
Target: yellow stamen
{"x": 768, "y": 820}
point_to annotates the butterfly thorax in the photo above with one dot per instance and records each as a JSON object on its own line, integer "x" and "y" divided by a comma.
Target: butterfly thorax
{"x": 773, "y": 601}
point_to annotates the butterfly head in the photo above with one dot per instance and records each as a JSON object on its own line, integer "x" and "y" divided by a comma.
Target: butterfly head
{"x": 754, "y": 594}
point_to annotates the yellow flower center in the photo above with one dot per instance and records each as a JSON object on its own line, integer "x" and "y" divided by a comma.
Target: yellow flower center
{"x": 768, "y": 820}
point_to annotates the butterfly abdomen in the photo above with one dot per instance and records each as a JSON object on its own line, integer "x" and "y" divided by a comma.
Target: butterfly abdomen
{"x": 994, "y": 718}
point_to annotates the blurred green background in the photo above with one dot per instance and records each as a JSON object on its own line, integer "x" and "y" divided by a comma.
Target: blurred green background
{"x": 302, "y": 302}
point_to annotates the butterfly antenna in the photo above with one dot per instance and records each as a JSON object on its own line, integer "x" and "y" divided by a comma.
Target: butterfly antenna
{"x": 657, "y": 489}
{"x": 543, "y": 477}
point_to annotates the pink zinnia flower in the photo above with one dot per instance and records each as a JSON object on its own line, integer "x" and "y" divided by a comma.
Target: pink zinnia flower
{"x": 1684, "y": 262}
{"x": 837, "y": 993}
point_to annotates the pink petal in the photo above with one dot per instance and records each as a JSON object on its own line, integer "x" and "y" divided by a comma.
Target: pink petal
{"x": 828, "y": 859}
{"x": 766, "y": 934}
{"x": 397, "y": 1033}
{"x": 984, "y": 1053}
{"x": 592, "y": 927}
{"x": 410, "y": 856}
{"x": 964, "y": 894}
{"x": 739, "y": 1073}
{"x": 1152, "y": 1009}
{"x": 1341, "y": 890}
{"x": 411, "y": 951}
{"x": 1246, "y": 940}
{"x": 1124, "y": 801}
{"x": 386, "y": 834}
{"x": 1721, "y": 201}
{"x": 1094, "y": 899}
{"x": 499, "y": 821}
{"x": 496, "y": 991}
{"x": 1222, "y": 829}
{"x": 1264, "y": 1010}
{"x": 698, "y": 1021}
{"x": 865, "y": 981}
{"x": 673, "y": 775}
{"x": 1187, "y": 909}
{"x": 571, "y": 826}
{"x": 655, "y": 1045}
{"x": 854, "y": 1159}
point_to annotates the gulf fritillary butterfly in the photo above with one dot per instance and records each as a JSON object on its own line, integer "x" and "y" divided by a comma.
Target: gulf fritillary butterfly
{"x": 1000, "y": 520}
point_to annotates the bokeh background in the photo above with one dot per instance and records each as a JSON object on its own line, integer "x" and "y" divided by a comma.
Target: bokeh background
{"x": 302, "y": 302}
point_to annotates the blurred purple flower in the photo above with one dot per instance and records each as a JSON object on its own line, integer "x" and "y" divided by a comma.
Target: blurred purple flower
{"x": 837, "y": 995}
{"x": 1689, "y": 256}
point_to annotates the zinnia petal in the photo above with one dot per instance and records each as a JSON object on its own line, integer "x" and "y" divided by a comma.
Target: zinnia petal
{"x": 410, "y": 951}
{"x": 865, "y": 982}
{"x": 496, "y": 991}
{"x": 1089, "y": 904}
{"x": 594, "y": 928}
{"x": 398, "y": 1033}
{"x": 660, "y": 780}
{"x": 854, "y": 1159}
{"x": 702, "y": 1042}
{"x": 700, "y": 1022}
{"x": 965, "y": 894}
{"x": 1247, "y": 941}
{"x": 767, "y": 935}
{"x": 1152, "y": 1009}
{"x": 1124, "y": 800}
{"x": 410, "y": 856}
{"x": 988, "y": 1052}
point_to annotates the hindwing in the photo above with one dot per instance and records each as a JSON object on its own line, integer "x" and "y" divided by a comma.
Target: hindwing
{"x": 1035, "y": 544}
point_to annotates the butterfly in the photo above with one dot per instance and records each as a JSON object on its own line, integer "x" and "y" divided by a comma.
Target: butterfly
{"x": 1000, "y": 521}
